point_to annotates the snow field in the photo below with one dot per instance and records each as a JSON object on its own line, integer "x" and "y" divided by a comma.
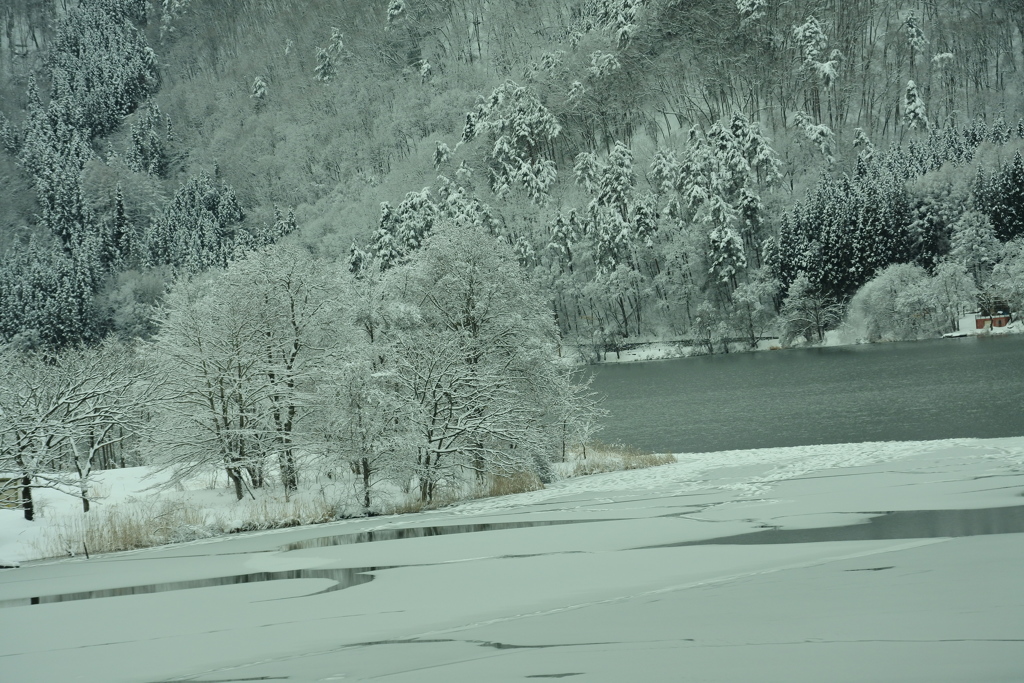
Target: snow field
{"x": 611, "y": 597}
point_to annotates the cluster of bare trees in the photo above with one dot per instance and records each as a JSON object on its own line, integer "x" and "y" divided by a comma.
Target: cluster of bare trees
{"x": 440, "y": 370}
{"x": 439, "y": 366}
{"x": 63, "y": 417}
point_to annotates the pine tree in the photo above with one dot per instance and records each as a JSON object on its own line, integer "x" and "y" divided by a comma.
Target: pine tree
{"x": 148, "y": 151}
{"x": 863, "y": 143}
{"x": 10, "y": 137}
{"x": 974, "y": 245}
{"x": 617, "y": 180}
{"x": 522, "y": 132}
{"x": 726, "y": 256}
{"x": 1002, "y": 200}
{"x": 118, "y": 244}
{"x": 564, "y": 233}
{"x": 101, "y": 64}
{"x": 199, "y": 228}
{"x": 46, "y": 297}
{"x": 913, "y": 108}
{"x": 384, "y": 244}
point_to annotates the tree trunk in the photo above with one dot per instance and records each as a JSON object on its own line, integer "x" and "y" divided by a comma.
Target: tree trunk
{"x": 236, "y": 479}
{"x": 26, "y": 498}
{"x": 478, "y": 463}
{"x": 289, "y": 475}
{"x": 366, "y": 483}
{"x": 255, "y": 475}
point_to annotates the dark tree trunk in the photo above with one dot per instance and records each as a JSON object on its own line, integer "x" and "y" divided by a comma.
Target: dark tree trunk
{"x": 236, "y": 480}
{"x": 366, "y": 483}
{"x": 26, "y": 498}
{"x": 255, "y": 475}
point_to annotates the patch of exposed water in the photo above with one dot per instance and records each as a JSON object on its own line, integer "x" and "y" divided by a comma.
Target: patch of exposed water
{"x": 344, "y": 578}
{"x": 888, "y": 526}
{"x": 421, "y": 532}
{"x": 820, "y": 395}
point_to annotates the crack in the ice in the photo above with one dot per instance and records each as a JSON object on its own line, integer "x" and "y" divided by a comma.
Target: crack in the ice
{"x": 577, "y": 673}
{"x": 509, "y": 646}
{"x": 868, "y": 569}
{"x": 481, "y": 643}
{"x": 343, "y": 577}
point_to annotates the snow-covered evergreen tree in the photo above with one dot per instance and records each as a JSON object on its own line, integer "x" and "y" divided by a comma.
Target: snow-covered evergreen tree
{"x": 974, "y": 245}
{"x": 913, "y": 108}
{"x": 521, "y": 132}
{"x": 148, "y": 150}
{"x": 101, "y": 64}
{"x": 199, "y": 228}
{"x": 1001, "y": 198}
{"x": 726, "y": 256}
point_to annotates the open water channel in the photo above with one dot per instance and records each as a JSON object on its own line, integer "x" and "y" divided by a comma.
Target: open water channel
{"x": 936, "y": 389}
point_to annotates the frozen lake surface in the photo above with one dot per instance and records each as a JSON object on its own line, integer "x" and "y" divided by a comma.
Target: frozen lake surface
{"x": 858, "y": 562}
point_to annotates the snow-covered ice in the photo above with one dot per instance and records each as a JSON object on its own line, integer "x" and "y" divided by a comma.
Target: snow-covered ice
{"x": 611, "y": 598}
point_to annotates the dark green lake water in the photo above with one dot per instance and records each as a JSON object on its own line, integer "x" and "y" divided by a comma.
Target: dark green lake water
{"x": 936, "y": 389}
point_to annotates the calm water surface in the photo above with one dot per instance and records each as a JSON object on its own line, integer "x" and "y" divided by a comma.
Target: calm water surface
{"x": 936, "y": 389}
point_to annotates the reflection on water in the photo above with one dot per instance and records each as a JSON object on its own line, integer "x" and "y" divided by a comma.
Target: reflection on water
{"x": 939, "y": 389}
{"x": 419, "y": 532}
{"x": 891, "y": 525}
{"x": 344, "y": 578}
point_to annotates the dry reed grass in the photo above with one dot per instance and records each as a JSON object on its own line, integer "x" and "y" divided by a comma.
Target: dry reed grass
{"x": 130, "y": 525}
{"x": 135, "y": 524}
{"x": 601, "y": 457}
{"x": 492, "y": 485}
{"x": 518, "y": 482}
{"x": 274, "y": 513}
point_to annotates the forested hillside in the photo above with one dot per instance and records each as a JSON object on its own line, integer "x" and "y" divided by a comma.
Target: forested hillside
{"x": 715, "y": 170}
{"x": 665, "y": 168}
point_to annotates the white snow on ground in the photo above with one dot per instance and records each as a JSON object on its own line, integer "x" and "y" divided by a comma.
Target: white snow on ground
{"x": 756, "y": 469}
{"x": 20, "y": 540}
{"x": 202, "y": 507}
{"x": 610, "y": 598}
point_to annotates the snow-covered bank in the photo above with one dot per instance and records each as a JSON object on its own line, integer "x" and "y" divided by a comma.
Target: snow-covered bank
{"x": 134, "y": 507}
{"x": 664, "y": 350}
{"x": 609, "y": 596}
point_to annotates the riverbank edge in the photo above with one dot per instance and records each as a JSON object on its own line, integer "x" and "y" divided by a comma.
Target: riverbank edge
{"x": 667, "y": 349}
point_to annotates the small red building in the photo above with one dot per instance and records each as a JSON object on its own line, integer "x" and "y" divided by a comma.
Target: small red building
{"x": 993, "y": 314}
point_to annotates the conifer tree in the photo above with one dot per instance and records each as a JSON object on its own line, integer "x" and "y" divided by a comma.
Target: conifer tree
{"x": 148, "y": 151}
{"x": 1001, "y": 198}
{"x": 199, "y": 228}
{"x": 101, "y": 64}
{"x": 521, "y": 132}
{"x": 913, "y": 108}
{"x": 974, "y": 245}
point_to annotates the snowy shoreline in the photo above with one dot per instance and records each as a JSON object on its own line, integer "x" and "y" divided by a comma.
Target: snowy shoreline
{"x": 22, "y": 541}
{"x": 667, "y": 350}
